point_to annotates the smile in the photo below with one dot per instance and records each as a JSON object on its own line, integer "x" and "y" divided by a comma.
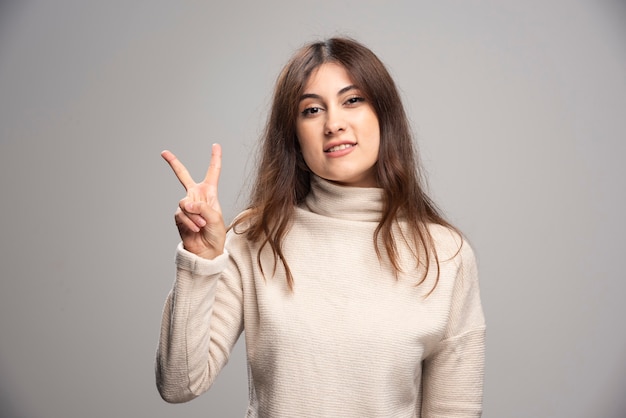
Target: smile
{"x": 340, "y": 147}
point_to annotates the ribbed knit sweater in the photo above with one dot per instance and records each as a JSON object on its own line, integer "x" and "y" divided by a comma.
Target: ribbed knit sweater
{"x": 351, "y": 340}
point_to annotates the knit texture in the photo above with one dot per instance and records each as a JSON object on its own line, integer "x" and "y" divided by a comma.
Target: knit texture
{"x": 351, "y": 340}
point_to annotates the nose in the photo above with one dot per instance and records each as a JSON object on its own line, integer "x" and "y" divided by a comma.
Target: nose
{"x": 334, "y": 123}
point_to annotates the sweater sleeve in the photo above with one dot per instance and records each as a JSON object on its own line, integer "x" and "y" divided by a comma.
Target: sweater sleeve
{"x": 202, "y": 320}
{"x": 452, "y": 379}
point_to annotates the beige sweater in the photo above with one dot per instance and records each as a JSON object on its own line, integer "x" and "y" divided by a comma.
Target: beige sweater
{"x": 351, "y": 340}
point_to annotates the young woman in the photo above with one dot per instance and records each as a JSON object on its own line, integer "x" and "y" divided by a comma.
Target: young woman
{"x": 357, "y": 298}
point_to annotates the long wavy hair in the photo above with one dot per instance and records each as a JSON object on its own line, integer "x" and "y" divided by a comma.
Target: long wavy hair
{"x": 283, "y": 178}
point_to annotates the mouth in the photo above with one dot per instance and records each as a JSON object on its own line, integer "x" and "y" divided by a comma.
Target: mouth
{"x": 339, "y": 147}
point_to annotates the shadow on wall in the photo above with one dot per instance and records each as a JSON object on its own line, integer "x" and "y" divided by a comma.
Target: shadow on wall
{"x": 7, "y": 406}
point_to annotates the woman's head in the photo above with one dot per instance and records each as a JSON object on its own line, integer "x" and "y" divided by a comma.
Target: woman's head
{"x": 337, "y": 128}
{"x": 374, "y": 83}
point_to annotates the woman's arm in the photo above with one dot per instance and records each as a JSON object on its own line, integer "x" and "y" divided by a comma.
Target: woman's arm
{"x": 452, "y": 377}
{"x": 202, "y": 320}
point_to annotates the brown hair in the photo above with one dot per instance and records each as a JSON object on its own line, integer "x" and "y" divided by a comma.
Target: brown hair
{"x": 283, "y": 179}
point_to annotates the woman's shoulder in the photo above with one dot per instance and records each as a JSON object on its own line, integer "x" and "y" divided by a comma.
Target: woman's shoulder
{"x": 449, "y": 242}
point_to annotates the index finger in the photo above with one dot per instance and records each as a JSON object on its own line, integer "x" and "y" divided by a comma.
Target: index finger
{"x": 213, "y": 173}
{"x": 179, "y": 169}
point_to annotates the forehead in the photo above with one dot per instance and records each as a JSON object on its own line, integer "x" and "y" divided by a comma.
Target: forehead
{"x": 329, "y": 75}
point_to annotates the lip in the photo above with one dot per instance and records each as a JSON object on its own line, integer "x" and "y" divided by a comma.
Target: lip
{"x": 341, "y": 152}
{"x": 336, "y": 143}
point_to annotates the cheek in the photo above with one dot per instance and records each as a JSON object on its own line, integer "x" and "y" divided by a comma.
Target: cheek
{"x": 375, "y": 125}
{"x": 304, "y": 139}
{"x": 307, "y": 156}
{"x": 374, "y": 129}
{"x": 304, "y": 150}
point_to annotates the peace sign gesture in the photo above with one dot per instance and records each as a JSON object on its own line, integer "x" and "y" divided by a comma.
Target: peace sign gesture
{"x": 199, "y": 216}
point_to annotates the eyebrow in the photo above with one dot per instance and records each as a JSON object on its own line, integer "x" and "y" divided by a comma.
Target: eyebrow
{"x": 317, "y": 96}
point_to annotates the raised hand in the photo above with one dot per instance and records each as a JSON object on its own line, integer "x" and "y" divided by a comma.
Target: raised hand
{"x": 199, "y": 216}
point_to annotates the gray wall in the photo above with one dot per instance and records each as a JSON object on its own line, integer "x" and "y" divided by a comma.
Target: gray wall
{"x": 520, "y": 113}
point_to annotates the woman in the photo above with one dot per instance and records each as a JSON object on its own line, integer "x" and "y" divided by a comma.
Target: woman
{"x": 357, "y": 298}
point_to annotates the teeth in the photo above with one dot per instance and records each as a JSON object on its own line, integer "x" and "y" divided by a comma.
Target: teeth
{"x": 340, "y": 147}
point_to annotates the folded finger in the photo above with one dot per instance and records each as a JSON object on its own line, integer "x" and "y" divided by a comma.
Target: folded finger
{"x": 187, "y": 221}
{"x": 193, "y": 211}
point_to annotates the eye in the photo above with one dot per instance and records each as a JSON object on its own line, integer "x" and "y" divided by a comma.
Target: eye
{"x": 354, "y": 100}
{"x": 310, "y": 111}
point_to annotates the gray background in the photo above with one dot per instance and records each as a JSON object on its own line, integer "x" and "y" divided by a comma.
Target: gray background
{"x": 520, "y": 113}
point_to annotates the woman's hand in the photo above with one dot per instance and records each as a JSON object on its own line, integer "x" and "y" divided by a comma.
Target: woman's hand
{"x": 199, "y": 216}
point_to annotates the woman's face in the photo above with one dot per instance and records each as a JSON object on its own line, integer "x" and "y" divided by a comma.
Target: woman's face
{"x": 337, "y": 128}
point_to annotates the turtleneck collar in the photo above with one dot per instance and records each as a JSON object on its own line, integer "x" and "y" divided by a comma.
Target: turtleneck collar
{"x": 344, "y": 202}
